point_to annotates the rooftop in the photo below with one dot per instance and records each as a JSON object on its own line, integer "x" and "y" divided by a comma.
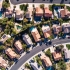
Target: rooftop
{"x": 46, "y": 60}
{"x": 67, "y": 53}
{"x": 27, "y": 39}
{"x": 46, "y": 30}
{"x": 5, "y": 37}
{"x": 3, "y": 63}
{"x": 11, "y": 53}
{"x": 57, "y": 55}
{"x": 18, "y": 45}
{"x": 64, "y": 12}
{"x": 66, "y": 27}
{"x": 56, "y": 28}
{"x": 35, "y": 34}
{"x": 39, "y": 10}
{"x": 48, "y": 13}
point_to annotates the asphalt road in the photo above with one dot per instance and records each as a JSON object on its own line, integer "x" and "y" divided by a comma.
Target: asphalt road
{"x": 15, "y": 2}
{"x": 36, "y": 50}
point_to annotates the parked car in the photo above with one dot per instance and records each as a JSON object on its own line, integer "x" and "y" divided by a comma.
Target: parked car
{"x": 68, "y": 37}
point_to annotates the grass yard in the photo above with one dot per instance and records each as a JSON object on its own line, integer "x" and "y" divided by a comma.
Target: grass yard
{"x": 68, "y": 46}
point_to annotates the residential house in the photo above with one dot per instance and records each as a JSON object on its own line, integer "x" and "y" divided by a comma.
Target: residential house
{"x": 46, "y": 30}
{"x": 66, "y": 52}
{"x": 9, "y": 12}
{"x": 27, "y": 39}
{"x": 64, "y": 12}
{"x": 4, "y": 38}
{"x": 39, "y": 11}
{"x": 19, "y": 15}
{"x": 35, "y": 34}
{"x": 3, "y": 63}
{"x": 47, "y": 12}
{"x": 66, "y": 27}
{"x": 35, "y": 66}
{"x": 46, "y": 60}
{"x": 56, "y": 29}
{"x": 28, "y": 16}
{"x": 57, "y": 55}
{"x": 11, "y": 53}
{"x": 29, "y": 13}
{"x": 18, "y": 46}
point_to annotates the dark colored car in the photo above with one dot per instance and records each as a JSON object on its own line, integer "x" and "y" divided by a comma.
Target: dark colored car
{"x": 69, "y": 37}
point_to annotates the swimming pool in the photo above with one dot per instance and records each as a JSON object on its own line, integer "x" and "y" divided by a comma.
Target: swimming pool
{"x": 0, "y": 14}
{"x": 49, "y": 68}
{"x": 31, "y": 28}
{"x": 18, "y": 27}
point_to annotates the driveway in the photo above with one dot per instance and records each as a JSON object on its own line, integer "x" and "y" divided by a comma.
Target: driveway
{"x": 35, "y": 51}
{"x": 15, "y": 2}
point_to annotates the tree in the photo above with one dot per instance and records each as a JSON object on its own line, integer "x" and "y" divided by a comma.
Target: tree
{"x": 24, "y": 7}
{"x": 21, "y": 7}
{"x": 38, "y": 60}
{"x": 24, "y": 46}
{"x": 10, "y": 24}
{"x": 25, "y": 20}
{"x": 48, "y": 53}
{"x": 61, "y": 65}
{"x": 7, "y": 1}
{"x": 55, "y": 18}
{"x": 13, "y": 31}
{"x": 60, "y": 20}
{"x": 1, "y": 48}
{"x": 42, "y": 6}
{"x": 5, "y": 5}
{"x": 27, "y": 66}
{"x": 3, "y": 69}
{"x": 33, "y": 6}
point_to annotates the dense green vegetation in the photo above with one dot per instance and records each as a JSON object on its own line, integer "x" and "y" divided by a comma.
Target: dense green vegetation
{"x": 61, "y": 65}
{"x": 5, "y": 4}
{"x": 68, "y": 8}
{"x": 28, "y": 66}
{"x": 68, "y": 46}
{"x": 24, "y": 7}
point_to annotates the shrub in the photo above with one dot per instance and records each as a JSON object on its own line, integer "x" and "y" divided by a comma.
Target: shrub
{"x": 1, "y": 48}
{"x": 48, "y": 53}
{"x": 27, "y": 66}
{"x": 38, "y": 60}
{"x": 68, "y": 46}
{"x": 68, "y": 8}
{"x": 42, "y": 6}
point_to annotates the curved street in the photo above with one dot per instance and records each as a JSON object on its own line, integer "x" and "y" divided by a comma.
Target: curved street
{"x": 15, "y": 2}
{"x": 36, "y": 50}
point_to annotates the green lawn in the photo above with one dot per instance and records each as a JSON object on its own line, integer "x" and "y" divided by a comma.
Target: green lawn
{"x": 68, "y": 46}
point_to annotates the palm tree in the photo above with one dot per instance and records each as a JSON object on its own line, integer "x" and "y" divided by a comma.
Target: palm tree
{"x": 42, "y": 6}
